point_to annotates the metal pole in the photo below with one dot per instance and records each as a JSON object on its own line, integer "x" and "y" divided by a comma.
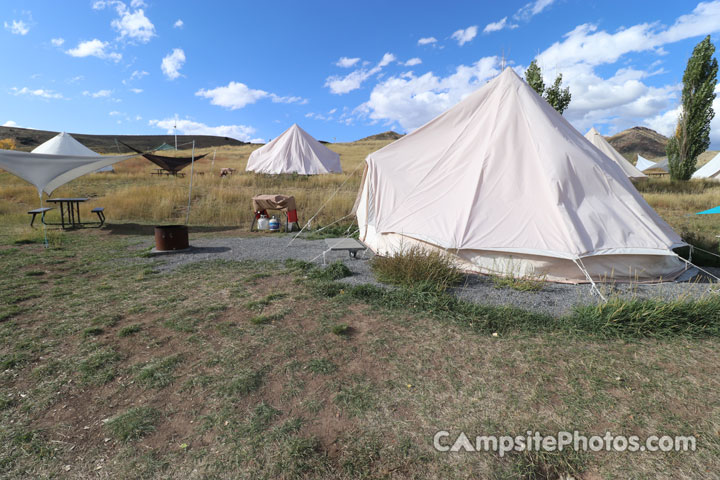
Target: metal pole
{"x": 212, "y": 165}
{"x": 192, "y": 165}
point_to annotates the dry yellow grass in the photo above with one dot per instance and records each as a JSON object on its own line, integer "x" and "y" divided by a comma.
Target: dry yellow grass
{"x": 133, "y": 195}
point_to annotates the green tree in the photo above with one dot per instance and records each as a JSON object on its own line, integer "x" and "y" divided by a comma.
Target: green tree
{"x": 533, "y": 76}
{"x": 558, "y": 97}
{"x": 692, "y": 135}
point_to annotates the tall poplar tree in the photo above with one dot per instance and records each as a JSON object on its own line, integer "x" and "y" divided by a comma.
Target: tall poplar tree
{"x": 692, "y": 134}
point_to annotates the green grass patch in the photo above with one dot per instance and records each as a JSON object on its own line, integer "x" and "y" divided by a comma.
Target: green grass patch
{"x": 416, "y": 265}
{"x": 340, "y": 329}
{"x": 265, "y": 319}
{"x": 158, "y": 373}
{"x": 259, "y": 305}
{"x": 321, "y": 366}
{"x": 99, "y": 367}
{"x": 92, "y": 332}
{"x": 244, "y": 383}
{"x": 129, "y": 330}
{"x": 134, "y": 423}
{"x": 523, "y": 283}
{"x": 357, "y": 398}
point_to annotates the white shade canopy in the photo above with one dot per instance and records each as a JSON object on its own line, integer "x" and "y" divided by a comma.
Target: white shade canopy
{"x": 294, "y": 151}
{"x": 710, "y": 170}
{"x": 506, "y": 185}
{"x": 47, "y": 170}
{"x": 605, "y": 147}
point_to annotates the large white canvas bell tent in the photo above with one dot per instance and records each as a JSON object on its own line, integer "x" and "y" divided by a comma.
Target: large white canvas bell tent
{"x": 64, "y": 144}
{"x": 48, "y": 171}
{"x": 643, "y": 163}
{"x": 710, "y": 170}
{"x": 650, "y": 167}
{"x": 294, "y": 151}
{"x": 599, "y": 141}
{"x": 507, "y": 186}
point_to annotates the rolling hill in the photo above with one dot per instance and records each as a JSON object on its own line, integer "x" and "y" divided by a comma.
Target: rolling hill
{"x": 26, "y": 139}
{"x": 639, "y": 140}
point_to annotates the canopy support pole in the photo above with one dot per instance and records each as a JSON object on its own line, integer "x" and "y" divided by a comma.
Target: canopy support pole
{"x": 44, "y": 226}
{"x": 192, "y": 165}
{"x": 212, "y": 164}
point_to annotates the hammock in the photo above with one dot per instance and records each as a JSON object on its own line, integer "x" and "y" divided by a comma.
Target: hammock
{"x": 171, "y": 164}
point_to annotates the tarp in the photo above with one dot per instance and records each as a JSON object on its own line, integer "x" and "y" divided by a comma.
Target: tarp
{"x": 49, "y": 171}
{"x": 171, "y": 164}
{"x": 64, "y": 144}
{"x": 709, "y": 212}
{"x": 506, "y": 185}
{"x": 165, "y": 146}
{"x": 605, "y": 147}
{"x": 709, "y": 170}
{"x": 294, "y": 151}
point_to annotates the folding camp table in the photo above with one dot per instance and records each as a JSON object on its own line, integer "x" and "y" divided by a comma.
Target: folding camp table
{"x": 350, "y": 245}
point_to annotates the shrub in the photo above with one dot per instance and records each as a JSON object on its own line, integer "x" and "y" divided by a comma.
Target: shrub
{"x": 416, "y": 265}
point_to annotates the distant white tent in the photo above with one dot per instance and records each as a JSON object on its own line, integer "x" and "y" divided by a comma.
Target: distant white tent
{"x": 48, "y": 171}
{"x": 643, "y": 163}
{"x": 294, "y": 151}
{"x": 505, "y": 185}
{"x": 710, "y": 170}
{"x": 605, "y": 147}
{"x": 64, "y": 144}
{"x": 646, "y": 165}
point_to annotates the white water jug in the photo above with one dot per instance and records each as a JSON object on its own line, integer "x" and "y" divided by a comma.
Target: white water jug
{"x": 263, "y": 223}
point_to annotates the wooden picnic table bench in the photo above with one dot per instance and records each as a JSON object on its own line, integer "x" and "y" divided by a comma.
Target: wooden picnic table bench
{"x": 40, "y": 211}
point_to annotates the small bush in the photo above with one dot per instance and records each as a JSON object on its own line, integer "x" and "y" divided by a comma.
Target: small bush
{"x": 416, "y": 265}
{"x": 134, "y": 423}
{"x": 340, "y": 329}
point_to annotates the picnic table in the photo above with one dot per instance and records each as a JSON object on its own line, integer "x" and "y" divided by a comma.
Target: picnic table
{"x": 70, "y": 213}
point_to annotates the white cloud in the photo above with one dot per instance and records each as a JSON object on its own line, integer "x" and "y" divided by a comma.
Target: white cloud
{"x": 9, "y": 123}
{"x": 41, "y": 93}
{"x": 346, "y": 62}
{"x": 135, "y": 26}
{"x": 131, "y": 25}
{"x": 172, "y": 63}
{"x": 237, "y": 95}
{"x": 178, "y": 23}
{"x": 243, "y": 133}
{"x": 354, "y": 80}
{"x": 532, "y": 9}
{"x": 114, "y": 113}
{"x": 57, "y": 42}
{"x": 411, "y": 101}
{"x": 386, "y": 60}
{"x": 136, "y": 90}
{"x": 427, "y": 41}
{"x": 18, "y": 27}
{"x": 94, "y": 48}
{"x": 622, "y": 99}
{"x": 412, "y": 62}
{"x": 499, "y": 25}
{"x": 463, "y": 36}
{"x": 98, "y": 94}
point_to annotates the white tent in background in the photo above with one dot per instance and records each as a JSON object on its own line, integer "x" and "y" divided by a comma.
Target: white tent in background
{"x": 643, "y": 163}
{"x": 294, "y": 151}
{"x": 48, "y": 171}
{"x": 64, "y": 144}
{"x": 506, "y": 185}
{"x": 710, "y": 170}
{"x": 605, "y": 147}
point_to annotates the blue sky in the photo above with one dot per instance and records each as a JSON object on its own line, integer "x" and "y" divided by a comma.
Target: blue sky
{"x": 342, "y": 70}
